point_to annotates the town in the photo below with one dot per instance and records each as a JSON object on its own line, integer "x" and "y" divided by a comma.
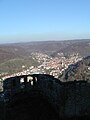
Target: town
{"x": 47, "y": 65}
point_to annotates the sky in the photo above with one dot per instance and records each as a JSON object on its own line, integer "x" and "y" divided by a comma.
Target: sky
{"x": 39, "y": 20}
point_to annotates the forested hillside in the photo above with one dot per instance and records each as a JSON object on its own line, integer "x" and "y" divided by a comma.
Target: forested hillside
{"x": 78, "y": 71}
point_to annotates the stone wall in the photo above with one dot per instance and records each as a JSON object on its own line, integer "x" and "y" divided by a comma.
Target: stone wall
{"x": 68, "y": 98}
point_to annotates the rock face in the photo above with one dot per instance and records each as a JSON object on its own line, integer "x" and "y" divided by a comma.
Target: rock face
{"x": 69, "y": 99}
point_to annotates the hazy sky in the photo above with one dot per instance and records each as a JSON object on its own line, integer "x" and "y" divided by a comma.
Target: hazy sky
{"x": 30, "y": 20}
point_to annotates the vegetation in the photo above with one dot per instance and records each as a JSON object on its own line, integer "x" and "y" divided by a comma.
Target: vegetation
{"x": 16, "y": 65}
{"x": 14, "y": 56}
{"x": 78, "y": 71}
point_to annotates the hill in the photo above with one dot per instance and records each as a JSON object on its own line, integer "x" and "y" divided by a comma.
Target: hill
{"x": 14, "y": 56}
{"x": 78, "y": 71}
{"x": 82, "y": 47}
{"x": 10, "y": 51}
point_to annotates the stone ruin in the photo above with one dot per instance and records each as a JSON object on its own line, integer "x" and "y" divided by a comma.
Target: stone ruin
{"x": 68, "y": 98}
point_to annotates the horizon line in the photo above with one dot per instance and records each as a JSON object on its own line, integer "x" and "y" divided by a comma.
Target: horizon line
{"x": 18, "y": 42}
